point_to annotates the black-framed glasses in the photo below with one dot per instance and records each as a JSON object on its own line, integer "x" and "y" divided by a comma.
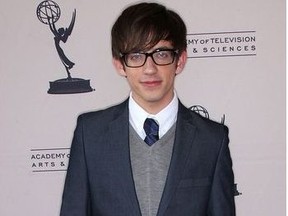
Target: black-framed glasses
{"x": 160, "y": 57}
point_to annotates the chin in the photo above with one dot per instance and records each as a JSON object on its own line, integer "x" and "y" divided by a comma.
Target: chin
{"x": 154, "y": 99}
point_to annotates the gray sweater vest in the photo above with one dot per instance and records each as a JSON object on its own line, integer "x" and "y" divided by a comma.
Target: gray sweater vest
{"x": 150, "y": 166}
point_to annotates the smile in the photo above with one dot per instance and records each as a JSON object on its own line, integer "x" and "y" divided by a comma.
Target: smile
{"x": 151, "y": 83}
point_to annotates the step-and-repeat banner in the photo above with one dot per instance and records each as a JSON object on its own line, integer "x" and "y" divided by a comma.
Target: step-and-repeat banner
{"x": 50, "y": 72}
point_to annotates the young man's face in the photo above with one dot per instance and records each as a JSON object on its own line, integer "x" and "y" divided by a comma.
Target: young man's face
{"x": 152, "y": 85}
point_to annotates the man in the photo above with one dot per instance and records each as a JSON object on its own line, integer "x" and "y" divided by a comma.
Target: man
{"x": 149, "y": 155}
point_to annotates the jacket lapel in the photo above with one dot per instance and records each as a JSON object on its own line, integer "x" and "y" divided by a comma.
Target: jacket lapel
{"x": 119, "y": 141}
{"x": 185, "y": 132}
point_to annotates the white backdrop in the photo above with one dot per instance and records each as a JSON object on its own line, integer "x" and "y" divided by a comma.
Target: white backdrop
{"x": 247, "y": 85}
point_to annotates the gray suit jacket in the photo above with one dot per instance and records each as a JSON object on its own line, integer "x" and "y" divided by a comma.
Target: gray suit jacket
{"x": 99, "y": 179}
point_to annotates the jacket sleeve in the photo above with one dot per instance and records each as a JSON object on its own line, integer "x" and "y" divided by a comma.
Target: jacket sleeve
{"x": 75, "y": 199}
{"x": 221, "y": 201}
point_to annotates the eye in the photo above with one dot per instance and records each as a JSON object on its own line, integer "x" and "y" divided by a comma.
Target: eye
{"x": 162, "y": 54}
{"x": 135, "y": 57}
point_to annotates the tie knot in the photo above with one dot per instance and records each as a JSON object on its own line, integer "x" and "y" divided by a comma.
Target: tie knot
{"x": 151, "y": 129}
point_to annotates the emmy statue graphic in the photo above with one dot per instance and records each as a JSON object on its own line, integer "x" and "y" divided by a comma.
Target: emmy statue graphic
{"x": 48, "y": 12}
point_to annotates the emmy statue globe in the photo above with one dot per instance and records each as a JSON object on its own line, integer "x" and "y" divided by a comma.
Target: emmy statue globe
{"x": 48, "y": 12}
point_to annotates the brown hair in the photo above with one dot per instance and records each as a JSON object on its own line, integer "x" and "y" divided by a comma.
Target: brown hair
{"x": 142, "y": 26}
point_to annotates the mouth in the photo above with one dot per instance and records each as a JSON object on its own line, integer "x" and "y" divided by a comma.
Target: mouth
{"x": 153, "y": 83}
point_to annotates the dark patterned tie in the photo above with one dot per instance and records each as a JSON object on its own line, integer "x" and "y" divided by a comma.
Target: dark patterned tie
{"x": 151, "y": 129}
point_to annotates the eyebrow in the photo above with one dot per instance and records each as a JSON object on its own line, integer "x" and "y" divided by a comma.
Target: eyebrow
{"x": 153, "y": 50}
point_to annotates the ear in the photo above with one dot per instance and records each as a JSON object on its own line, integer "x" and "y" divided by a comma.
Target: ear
{"x": 119, "y": 67}
{"x": 181, "y": 62}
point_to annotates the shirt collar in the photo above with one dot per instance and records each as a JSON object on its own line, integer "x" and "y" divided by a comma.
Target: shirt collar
{"x": 165, "y": 118}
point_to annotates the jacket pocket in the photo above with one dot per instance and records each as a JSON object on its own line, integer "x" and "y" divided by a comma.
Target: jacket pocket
{"x": 199, "y": 182}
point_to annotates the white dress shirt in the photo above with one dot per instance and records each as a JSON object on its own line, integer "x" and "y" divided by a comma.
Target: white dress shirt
{"x": 165, "y": 118}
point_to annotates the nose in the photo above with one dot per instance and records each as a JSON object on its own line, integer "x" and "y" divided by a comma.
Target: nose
{"x": 149, "y": 66}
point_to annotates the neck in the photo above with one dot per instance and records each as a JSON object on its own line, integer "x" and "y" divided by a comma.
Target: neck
{"x": 153, "y": 107}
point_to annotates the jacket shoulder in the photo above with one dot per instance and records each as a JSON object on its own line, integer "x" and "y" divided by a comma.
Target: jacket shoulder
{"x": 202, "y": 123}
{"x": 104, "y": 115}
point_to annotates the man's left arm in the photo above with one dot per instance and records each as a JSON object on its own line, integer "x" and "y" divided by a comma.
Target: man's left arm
{"x": 221, "y": 201}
